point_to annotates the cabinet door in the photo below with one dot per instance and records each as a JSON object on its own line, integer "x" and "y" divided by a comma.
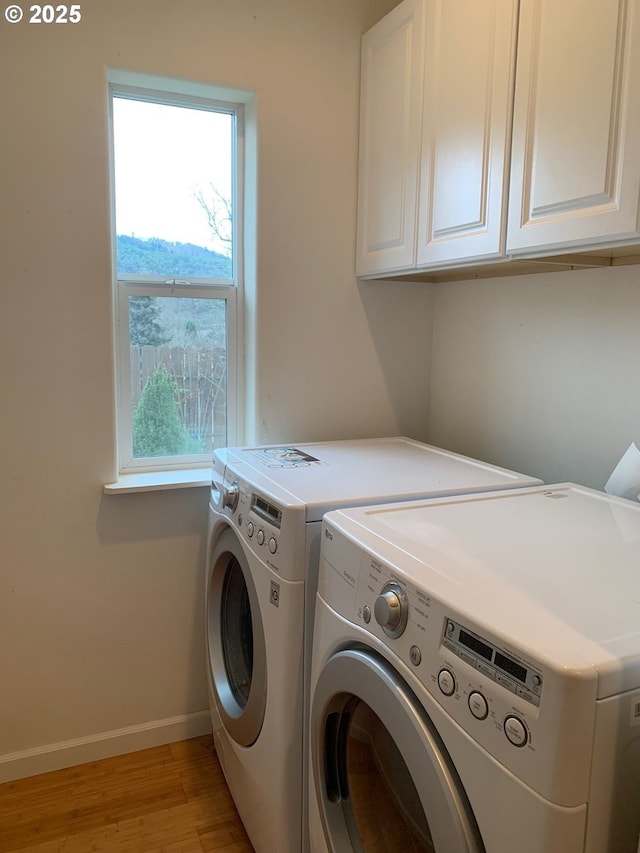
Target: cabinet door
{"x": 391, "y": 98}
{"x": 575, "y": 174}
{"x": 468, "y": 90}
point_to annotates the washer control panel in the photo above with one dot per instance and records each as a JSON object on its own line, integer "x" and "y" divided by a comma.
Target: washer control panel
{"x": 261, "y": 522}
{"x": 266, "y": 527}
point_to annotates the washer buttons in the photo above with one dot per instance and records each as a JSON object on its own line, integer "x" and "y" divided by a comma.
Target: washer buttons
{"x": 447, "y": 682}
{"x": 366, "y": 614}
{"x": 273, "y": 545}
{"x": 478, "y": 705}
{"x": 260, "y": 537}
{"x": 516, "y": 731}
{"x": 250, "y": 529}
{"x": 415, "y": 655}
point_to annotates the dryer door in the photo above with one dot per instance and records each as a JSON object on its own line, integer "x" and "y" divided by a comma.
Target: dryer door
{"x": 235, "y": 641}
{"x": 383, "y": 778}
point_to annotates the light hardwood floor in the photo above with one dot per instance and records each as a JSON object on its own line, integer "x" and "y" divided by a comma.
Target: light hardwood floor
{"x": 169, "y": 799}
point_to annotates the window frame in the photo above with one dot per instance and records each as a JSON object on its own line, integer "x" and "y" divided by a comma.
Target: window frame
{"x": 230, "y": 290}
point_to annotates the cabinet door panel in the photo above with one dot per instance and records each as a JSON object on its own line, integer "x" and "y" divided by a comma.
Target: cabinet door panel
{"x": 390, "y": 109}
{"x": 469, "y": 69}
{"x": 576, "y": 146}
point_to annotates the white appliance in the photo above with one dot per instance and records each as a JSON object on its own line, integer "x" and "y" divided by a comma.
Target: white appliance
{"x": 475, "y": 682}
{"x": 264, "y": 542}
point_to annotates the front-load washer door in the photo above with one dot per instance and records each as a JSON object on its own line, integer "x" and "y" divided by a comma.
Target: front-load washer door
{"x": 383, "y": 778}
{"x": 235, "y": 641}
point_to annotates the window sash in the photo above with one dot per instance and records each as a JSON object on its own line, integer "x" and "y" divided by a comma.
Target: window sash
{"x": 126, "y": 289}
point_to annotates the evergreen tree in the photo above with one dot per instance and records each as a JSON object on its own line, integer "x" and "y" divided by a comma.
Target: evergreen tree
{"x": 157, "y": 428}
{"x": 144, "y": 328}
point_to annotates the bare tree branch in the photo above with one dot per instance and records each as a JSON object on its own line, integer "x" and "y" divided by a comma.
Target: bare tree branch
{"x": 217, "y": 208}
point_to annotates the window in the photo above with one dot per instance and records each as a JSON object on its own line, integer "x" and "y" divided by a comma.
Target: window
{"x": 177, "y": 185}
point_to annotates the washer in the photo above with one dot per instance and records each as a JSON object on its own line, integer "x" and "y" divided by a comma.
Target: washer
{"x": 266, "y": 509}
{"x": 475, "y": 682}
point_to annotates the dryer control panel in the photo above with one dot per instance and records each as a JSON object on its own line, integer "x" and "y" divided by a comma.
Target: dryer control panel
{"x": 513, "y": 673}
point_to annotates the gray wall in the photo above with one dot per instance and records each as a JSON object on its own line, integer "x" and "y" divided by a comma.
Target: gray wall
{"x": 539, "y": 373}
{"x": 101, "y": 628}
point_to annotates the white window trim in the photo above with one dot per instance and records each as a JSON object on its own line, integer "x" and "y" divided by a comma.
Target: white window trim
{"x": 151, "y": 474}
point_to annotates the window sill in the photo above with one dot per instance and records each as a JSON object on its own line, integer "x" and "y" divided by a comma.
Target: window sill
{"x": 154, "y": 481}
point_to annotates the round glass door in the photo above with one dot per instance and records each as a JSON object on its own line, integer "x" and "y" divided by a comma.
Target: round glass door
{"x": 384, "y": 781}
{"x": 235, "y": 641}
{"x": 236, "y": 632}
{"x": 382, "y": 807}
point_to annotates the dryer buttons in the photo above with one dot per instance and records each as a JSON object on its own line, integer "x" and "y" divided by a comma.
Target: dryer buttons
{"x": 273, "y": 545}
{"x": 260, "y": 537}
{"x": 250, "y": 529}
{"x": 478, "y": 705}
{"x": 447, "y": 682}
{"x": 516, "y": 731}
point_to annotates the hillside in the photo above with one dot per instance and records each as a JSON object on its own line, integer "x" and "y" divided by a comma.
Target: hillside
{"x": 179, "y": 260}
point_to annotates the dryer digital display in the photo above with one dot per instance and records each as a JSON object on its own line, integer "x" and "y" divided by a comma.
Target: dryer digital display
{"x": 516, "y": 676}
{"x": 266, "y": 511}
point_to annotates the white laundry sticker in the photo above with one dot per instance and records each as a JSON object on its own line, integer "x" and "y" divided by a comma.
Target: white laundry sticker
{"x": 283, "y": 457}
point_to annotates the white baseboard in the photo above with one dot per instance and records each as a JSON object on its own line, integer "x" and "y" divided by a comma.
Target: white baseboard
{"x": 30, "y": 762}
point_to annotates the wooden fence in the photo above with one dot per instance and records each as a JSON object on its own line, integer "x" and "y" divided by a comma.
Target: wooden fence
{"x": 200, "y": 378}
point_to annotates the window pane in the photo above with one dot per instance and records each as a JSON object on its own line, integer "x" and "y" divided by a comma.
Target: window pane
{"x": 178, "y": 348}
{"x": 173, "y": 190}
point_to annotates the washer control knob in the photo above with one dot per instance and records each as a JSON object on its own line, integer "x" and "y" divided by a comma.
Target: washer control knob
{"x": 391, "y": 610}
{"x": 447, "y": 682}
{"x": 516, "y": 731}
{"x": 478, "y": 705}
{"x": 230, "y": 495}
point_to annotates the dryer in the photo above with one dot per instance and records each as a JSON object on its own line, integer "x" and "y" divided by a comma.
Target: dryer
{"x": 266, "y": 509}
{"x": 475, "y": 681}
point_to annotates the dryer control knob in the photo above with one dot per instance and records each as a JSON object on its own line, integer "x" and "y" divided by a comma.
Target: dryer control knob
{"x": 230, "y": 495}
{"x": 392, "y": 610}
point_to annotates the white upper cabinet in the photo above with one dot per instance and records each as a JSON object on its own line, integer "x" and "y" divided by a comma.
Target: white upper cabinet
{"x": 390, "y": 114}
{"x": 466, "y": 129}
{"x": 575, "y": 163}
{"x": 475, "y": 149}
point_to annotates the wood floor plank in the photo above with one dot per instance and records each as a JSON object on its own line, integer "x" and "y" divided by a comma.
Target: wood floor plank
{"x": 170, "y": 798}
